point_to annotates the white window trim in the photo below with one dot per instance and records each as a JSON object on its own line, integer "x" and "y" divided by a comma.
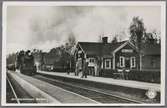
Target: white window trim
{"x": 79, "y": 51}
{"x": 123, "y": 60}
{"x": 109, "y": 64}
{"x": 92, "y": 59}
{"x": 131, "y": 64}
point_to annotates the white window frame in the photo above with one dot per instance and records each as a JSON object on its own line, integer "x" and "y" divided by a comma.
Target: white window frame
{"x": 90, "y": 60}
{"x": 132, "y": 65}
{"x": 79, "y": 51}
{"x": 106, "y": 63}
{"x": 102, "y": 64}
{"x": 123, "y": 61}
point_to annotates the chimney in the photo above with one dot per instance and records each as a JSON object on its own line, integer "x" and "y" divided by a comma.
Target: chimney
{"x": 105, "y": 40}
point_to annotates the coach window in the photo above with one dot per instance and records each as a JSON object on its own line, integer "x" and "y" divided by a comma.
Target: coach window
{"x": 122, "y": 61}
{"x": 107, "y": 63}
{"x": 133, "y": 62}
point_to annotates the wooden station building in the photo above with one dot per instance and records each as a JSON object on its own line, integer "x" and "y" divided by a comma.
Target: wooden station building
{"x": 113, "y": 56}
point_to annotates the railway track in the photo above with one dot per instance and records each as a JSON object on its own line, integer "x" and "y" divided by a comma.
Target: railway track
{"x": 93, "y": 94}
{"x": 15, "y": 93}
{"x": 11, "y": 93}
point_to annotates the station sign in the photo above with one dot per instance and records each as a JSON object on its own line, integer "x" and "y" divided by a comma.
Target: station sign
{"x": 127, "y": 51}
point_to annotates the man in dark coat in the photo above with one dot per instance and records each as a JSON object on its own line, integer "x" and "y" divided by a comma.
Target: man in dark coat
{"x": 85, "y": 68}
{"x": 68, "y": 67}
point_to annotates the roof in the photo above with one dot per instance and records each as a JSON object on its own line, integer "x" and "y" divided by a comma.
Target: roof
{"x": 110, "y": 47}
{"x": 98, "y": 48}
{"x": 91, "y": 48}
{"x": 151, "y": 49}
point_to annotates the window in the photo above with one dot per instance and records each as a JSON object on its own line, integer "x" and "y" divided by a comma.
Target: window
{"x": 92, "y": 60}
{"x": 107, "y": 63}
{"x": 122, "y": 61}
{"x": 80, "y": 54}
{"x": 133, "y": 62}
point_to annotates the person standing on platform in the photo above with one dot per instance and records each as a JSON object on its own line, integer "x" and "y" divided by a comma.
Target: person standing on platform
{"x": 77, "y": 69}
{"x": 85, "y": 68}
{"x": 68, "y": 67}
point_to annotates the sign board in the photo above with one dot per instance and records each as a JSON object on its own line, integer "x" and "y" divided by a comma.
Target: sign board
{"x": 127, "y": 50}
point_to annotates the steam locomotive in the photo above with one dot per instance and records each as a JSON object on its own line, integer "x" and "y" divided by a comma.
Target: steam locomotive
{"x": 25, "y": 63}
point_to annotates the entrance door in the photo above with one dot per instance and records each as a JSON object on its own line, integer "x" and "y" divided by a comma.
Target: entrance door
{"x": 127, "y": 63}
{"x": 91, "y": 71}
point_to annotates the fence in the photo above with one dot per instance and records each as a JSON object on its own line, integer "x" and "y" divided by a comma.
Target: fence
{"x": 145, "y": 76}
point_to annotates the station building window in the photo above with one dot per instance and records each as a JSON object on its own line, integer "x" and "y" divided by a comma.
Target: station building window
{"x": 122, "y": 61}
{"x": 107, "y": 63}
{"x": 80, "y": 54}
{"x": 91, "y": 60}
{"x": 133, "y": 62}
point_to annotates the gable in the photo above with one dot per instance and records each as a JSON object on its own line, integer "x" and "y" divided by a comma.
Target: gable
{"x": 126, "y": 47}
{"x": 78, "y": 48}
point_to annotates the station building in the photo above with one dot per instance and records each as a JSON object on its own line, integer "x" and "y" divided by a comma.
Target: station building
{"x": 151, "y": 57}
{"x": 104, "y": 56}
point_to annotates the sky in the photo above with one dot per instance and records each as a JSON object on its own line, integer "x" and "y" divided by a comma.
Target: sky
{"x": 46, "y": 27}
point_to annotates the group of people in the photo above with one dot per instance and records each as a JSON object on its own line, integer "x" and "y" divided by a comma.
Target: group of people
{"x": 82, "y": 67}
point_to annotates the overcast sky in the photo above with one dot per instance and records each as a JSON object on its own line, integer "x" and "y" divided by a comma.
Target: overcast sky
{"x": 47, "y": 27}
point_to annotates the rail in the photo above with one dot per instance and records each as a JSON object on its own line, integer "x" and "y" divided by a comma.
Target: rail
{"x": 13, "y": 91}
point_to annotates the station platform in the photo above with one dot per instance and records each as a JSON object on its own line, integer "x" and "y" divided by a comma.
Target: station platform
{"x": 111, "y": 81}
{"x": 48, "y": 93}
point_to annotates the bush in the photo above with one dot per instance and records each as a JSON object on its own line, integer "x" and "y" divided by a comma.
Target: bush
{"x": 145, "y": 76}
{"x": 107, "y": 73}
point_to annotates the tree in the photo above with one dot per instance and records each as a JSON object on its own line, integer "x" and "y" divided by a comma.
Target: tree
{"x": 157, "y": 36}
{"x": 137, "y": 31}
{"x": 149, "y": 39}
{"x": 68, "y": 56}
{"x": 71, "y": 41}
{"x": 11, "y": 59}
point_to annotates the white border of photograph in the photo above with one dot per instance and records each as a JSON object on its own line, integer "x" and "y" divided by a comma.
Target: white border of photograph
{"x": 86, "y": 3}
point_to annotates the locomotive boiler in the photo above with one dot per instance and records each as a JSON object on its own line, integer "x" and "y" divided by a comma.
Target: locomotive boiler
{"x": 25, "y": 63}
